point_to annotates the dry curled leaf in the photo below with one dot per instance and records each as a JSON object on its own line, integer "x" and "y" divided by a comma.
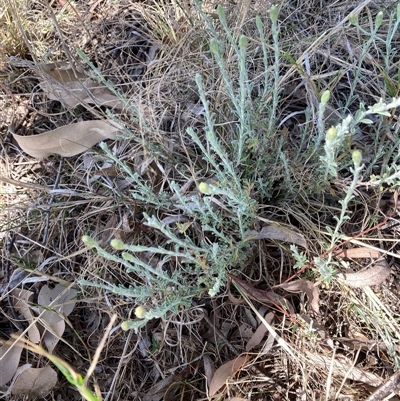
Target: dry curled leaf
{"x": 35, "y": 382}
{"x": 10, "y": 353}
{"x": 306, "y": 286}
{"x": 227, "y": 370}
{"x": 209, "y": 368}
{"x": 56, "y": 302}
{"x": 265, "y": 297}
{"x": 68, "y": 140}
{"x": 280, "y": 233}
{"x": 70, "y": 87}
{"x": 374, "y": 275}
{"x": 20, "y": 299}
{"x": 259, "y": 334}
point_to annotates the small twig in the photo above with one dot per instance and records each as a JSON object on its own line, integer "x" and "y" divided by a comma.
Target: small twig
{"x": 7, "y": 277}
{"x": 389, "y": 387}
{"x": 55, "y": 186}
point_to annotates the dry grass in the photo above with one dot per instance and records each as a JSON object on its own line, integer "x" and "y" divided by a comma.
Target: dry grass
{"x": 150, "y": 52}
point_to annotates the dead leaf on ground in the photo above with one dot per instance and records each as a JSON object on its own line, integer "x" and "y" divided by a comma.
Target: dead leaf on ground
{"x": 35, "y": 382}
{"x": 227, "y": 370}
{"x": 306, "y": 286}
{"x": 374, "y": 275}
{"x": 7, "y": 393}
{"x": 280, "y": 233}
{"x": 68, "y": 140}
{"x": 232, "y": 298}
{"x": 361, "y": 252}
{"x": 72, "y": 88}
{"x": 20, "y": 299}
{"x": 10, "y": 354}
{"x": 55, "y": 303}
{"x": 343, "y": 367}
{"x": 259, "y": 334}
{"x": 265, "y": 297}
{"x": 209, "y": 368}
{"x": 238, "y": 399}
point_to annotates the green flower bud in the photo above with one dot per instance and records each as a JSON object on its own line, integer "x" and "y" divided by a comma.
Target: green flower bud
{"x": 89, "y": 241}
{"x": 357, "y": 157}
{"x": 273, "y": 13}
{"x": 140, "y": 311}
{"x": 331, "y": 134}
{"x": 204, "y": 188}
{"x": 117, "y": 244}
{"x": 243, "y": 42}
{"x": 214, "y": 46}
{"x": 325, "y": 97}
{"x": 353, "y": 19}
{"x": 127, "y": 256}
{"x": 125, "y": 325}
{"x": 379, "y": 19}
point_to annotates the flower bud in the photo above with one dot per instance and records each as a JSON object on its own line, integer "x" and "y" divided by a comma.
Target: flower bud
{"x": 125, "y": 326}
{"x": 353, "y": 19}
{"x": 117, "y": 244}
{"x": 379, "y": 19}
{"x": 243, "y": 42}
{"x": 325, "y": 97}
{"x": 88, "y": 241}
{"x": 140, "y": 311}
{"x": 357, "y": 157}
{"x": 204, "y": 188}
{"x": 128, "y": 257}
{"x": 331, "y": 134}
{"x": 214, "y": 46}
{"x": 273, "y": 13}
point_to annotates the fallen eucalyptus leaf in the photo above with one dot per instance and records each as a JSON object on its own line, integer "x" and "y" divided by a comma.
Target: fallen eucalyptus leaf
{"x": 68, "y": 140}
{"x": 361, "y": 252}
{"x": 209, "y": 368}
{"x": 259, "y": 334}
{"x": 55, "y": 303}
{"x": 20, "y": 299}
{"x": 373, "y": 276}
{"x": 280, "y": 233}
{"x": 10, "y": 354}
{"x": 35, "y": 382}
{"x": 263, "y": 296}
{"x": 20, "y": 369}
{"x": 228, "y": 369}
{"x": 70, "y": 87}
{"x": 306, "y": 286}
